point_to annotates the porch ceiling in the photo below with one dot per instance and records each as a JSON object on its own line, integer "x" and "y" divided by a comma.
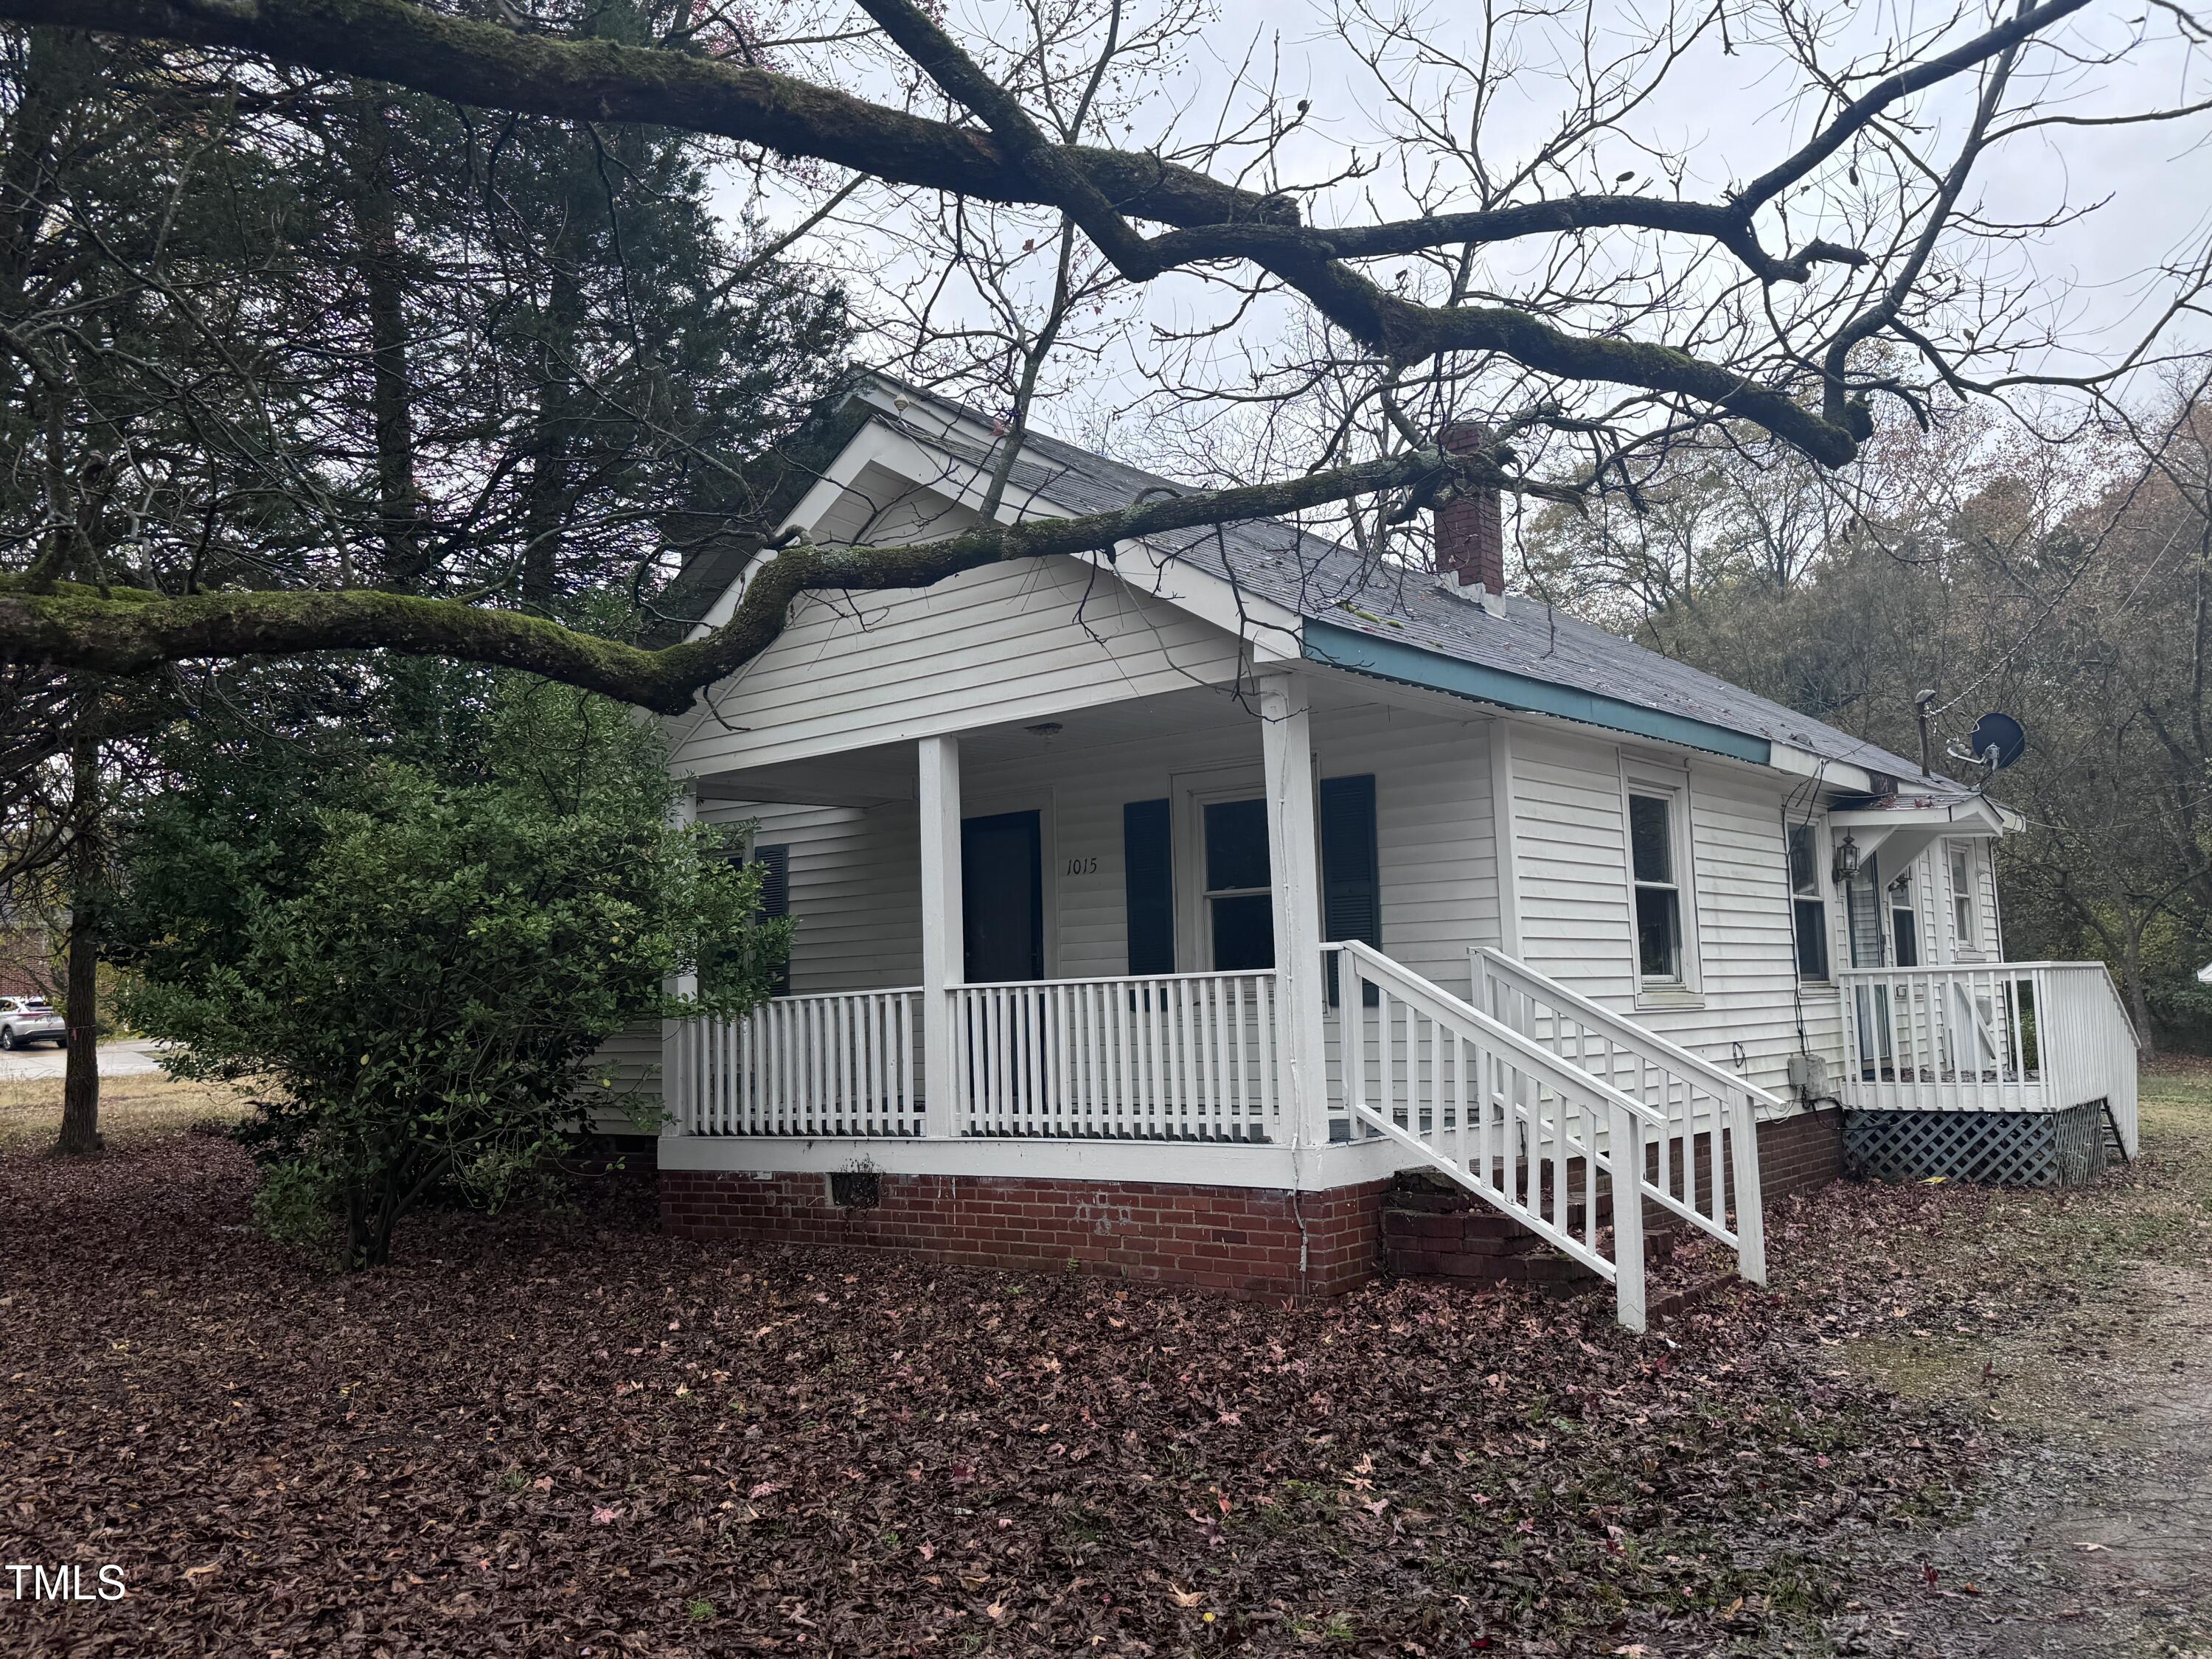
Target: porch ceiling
{"x": 885, "y": 772}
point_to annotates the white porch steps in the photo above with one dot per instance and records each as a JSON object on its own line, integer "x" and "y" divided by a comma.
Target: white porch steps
{"x": 1545, "y": 1105}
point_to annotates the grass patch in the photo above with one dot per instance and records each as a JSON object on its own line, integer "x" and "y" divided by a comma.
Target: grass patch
{"x": 137, "y": 1106}
{"x": 1981, "y": 1290}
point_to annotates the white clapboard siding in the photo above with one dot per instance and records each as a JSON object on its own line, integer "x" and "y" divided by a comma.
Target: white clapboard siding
{"x": 856, "y": 887}
{"x": 625, "y": 1095}
{"x": 1569, "y": 852}
{"x": 1432, "y": 828}
{"x": 1006, "y": 642}
{"x": 1576, "y": 919}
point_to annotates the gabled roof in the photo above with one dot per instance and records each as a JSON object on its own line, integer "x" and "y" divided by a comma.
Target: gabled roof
{"x": 1399, "y": 623}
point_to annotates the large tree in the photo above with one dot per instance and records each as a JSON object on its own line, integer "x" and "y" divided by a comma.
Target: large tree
{"x": 268, "y": 330}
{"x": 1511, "y": 270}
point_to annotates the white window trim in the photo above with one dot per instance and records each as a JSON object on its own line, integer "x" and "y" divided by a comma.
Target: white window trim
{"x": 1911, "y": 877}
{"x": 1641, "y": 777}
{"x": 1968, "y": 947}
{"x": 1823, "y": 889}
{"x": 1192, "y": 793}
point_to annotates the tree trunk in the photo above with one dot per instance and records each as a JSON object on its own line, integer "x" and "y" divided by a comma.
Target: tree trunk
{"x": 61, "y": 66}
{"x": 391, "y": 408}
{"x": 551, "y": 442}
{"x": 80, "y": 1134}
{"x": 545, "y": 504}
{"x": 2138, "y": 1001}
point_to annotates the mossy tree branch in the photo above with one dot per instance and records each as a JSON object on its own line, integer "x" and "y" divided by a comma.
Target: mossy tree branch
{"x": 132, "y": 631}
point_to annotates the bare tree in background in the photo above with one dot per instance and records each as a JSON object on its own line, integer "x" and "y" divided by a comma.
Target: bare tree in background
{"x": 2069, "y": 584}
{"x": 1514, "y": 241}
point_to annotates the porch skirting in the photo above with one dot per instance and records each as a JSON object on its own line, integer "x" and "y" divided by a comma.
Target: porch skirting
{"x": 2011, "y": 1149}
{"x": 1255, "y": 1242}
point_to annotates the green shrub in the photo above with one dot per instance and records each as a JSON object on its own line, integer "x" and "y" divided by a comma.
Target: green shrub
{"x": 417, "y": 956}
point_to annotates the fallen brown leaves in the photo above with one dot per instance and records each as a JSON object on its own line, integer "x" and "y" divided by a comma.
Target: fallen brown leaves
{"x": 550, "y": 1435}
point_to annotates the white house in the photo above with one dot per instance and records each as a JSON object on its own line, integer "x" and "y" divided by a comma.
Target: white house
{"x": 1154, "y": 909}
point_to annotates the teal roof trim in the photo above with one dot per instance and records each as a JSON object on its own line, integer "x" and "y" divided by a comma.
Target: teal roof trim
{"x": 1395, "y": 660}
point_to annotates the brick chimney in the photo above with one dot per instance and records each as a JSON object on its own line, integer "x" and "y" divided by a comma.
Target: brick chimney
{"x": 1471, "y": 527}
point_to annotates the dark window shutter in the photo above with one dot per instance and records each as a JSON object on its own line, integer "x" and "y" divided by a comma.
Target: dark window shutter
{"x": 776, "y": 880}
{"x": 1148, "y": 881}
{"x": 776, "y": 899}
{"x": 1351, "y": 874}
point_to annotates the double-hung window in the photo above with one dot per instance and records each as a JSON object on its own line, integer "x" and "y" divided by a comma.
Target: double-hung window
{"x": 1654, "y": 867}
{"x": 1962, "y": 899}
{"x": 1808, "y": 910}
{"x": 1239, "y": 902}
{"x": 1905, "y": 922}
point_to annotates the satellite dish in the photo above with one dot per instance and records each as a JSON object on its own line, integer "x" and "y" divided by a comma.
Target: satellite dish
{"x": 2001, "y": 732}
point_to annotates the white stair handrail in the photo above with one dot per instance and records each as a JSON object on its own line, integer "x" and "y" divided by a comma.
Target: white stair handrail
{"x": 1626, "y": 1032}
{"x": 1531, "y": 1056}
{"x": 1628, "y": 1120}
{"x": 1739, "y": 1103}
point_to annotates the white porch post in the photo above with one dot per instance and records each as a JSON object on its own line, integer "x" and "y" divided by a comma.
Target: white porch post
{"x": 679, "y": 1084}
{"x": 942, "y": 965}
{"x": 1286, "y": 749}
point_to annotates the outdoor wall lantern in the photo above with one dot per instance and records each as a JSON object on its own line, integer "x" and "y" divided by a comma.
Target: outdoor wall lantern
{"x": 1847, "y": 859}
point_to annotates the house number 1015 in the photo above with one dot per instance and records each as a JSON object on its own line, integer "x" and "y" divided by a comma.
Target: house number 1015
{"x": 1082, "y": 866}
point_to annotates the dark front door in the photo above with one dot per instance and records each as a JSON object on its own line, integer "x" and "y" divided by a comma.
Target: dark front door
{"x": 1002, "y": 898}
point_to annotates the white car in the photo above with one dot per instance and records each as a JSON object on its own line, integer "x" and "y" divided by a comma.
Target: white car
{"x": 25, "y": 1020}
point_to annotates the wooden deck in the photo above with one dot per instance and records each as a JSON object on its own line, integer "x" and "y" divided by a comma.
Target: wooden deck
{"x": 2012, "y": 1036}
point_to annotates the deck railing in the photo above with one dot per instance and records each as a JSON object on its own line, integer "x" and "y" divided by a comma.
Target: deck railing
{"x": 1169, "y": 1057}
{"x": 840, "y": 1063}
{"x": 1703, "y": 1162}
{"x": 2013, "y": 1037}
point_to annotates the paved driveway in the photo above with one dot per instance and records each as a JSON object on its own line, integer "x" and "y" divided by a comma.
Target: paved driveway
{"x": 115, "y": 1059}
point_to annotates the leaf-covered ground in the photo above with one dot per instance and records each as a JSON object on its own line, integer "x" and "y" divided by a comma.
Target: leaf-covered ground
{"x": 569, "y": 1435}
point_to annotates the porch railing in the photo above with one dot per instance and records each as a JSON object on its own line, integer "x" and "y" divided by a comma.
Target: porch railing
{"x": 1703, "y": 1162}
{"x": 2014, "y": 1037}
{"x": 840, "y": 1063}
{"x": 1171, "y": 1057}
{"x": 1538, "y": 1138}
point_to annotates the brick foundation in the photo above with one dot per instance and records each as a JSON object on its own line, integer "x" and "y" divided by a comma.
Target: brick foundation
{"x": 1799, "y": 1154}
{"x": 1245, "y": 1241}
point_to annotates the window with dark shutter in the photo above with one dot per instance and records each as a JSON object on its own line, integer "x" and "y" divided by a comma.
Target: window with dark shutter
{"x": 1148, "y": 884}
{"x": 1351, "y": 876}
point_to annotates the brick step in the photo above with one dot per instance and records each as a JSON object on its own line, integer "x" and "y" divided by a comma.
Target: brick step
{"x": 1433, "y": 1228}
{"x": 1541, "y": 1266}
{"x": 1418, "y": 1194}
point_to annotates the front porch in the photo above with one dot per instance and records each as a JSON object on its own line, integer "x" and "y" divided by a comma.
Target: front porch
{"x": 1284, "y": 1081}
{"x": 1238, "y": 951}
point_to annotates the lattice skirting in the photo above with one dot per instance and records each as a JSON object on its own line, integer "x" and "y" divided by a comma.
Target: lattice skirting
{"x": 2008, "y": 1149}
